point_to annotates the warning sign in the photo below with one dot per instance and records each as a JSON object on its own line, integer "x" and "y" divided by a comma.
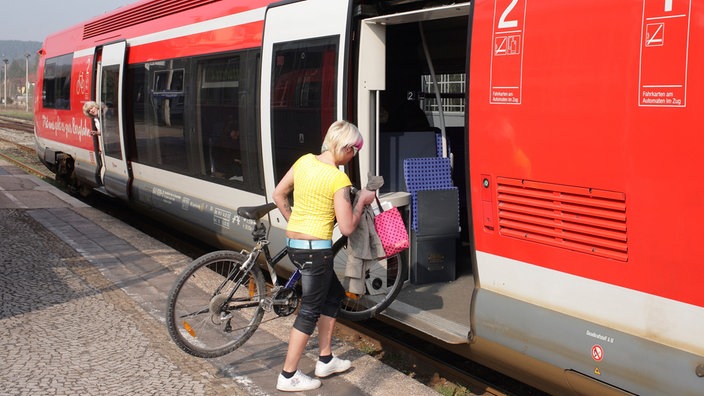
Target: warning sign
{"x": 507, "y": 54}
{"x": 597, "y": 352}
{"x": 664, "y": 53}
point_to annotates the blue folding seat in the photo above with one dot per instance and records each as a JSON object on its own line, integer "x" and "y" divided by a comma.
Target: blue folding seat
{"x": 432, "y": 173}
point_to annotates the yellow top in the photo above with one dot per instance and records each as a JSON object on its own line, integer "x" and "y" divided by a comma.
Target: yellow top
{"x": 314, "y": 187}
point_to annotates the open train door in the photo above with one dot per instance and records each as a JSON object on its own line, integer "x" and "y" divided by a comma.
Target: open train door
{"x": 303, "y": 82}
{"x": 115, "y": 173}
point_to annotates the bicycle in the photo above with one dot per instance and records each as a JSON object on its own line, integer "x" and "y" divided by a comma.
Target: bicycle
{"x": 219, "y": 300}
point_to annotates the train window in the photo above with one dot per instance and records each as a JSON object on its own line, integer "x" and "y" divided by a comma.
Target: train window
{"x": 226, "y": 125}
{"x": 111, "y": 132}
{"x": 219, "y": 118}
{"x": 159, "y": 114}
{"x": 198, "y": 116}
{"x": 452, "y": 92}
{"x": 168, "y": 81}
{"x": 56, "y": 86}
{"x": 303, "y": 92}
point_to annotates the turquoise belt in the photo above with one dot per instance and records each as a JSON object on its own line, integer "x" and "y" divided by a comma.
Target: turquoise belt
{"x": 314, "y": 244}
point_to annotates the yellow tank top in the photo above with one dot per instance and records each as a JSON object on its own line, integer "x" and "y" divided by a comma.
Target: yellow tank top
{"x": 314, "y": 187}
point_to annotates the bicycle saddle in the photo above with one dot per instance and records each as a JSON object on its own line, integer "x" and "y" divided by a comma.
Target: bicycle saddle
{"x": 255, "y": 212}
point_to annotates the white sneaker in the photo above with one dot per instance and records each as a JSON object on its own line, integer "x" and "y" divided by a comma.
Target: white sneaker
{"x": 334, "y": 366}
{"x": 299, "y": 382}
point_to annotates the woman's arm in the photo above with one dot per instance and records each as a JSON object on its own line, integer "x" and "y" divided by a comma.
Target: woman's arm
{"x": 347, "y": 216}
{"x": 281, "y": 192}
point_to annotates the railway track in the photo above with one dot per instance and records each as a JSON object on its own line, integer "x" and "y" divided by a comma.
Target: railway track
{"x": 16, "y": 124}
{"x": 441, "y": 370}
{"x": 17, "y": 147}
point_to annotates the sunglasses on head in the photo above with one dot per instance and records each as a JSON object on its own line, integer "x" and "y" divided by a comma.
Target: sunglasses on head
{"x": 356, "y": 148}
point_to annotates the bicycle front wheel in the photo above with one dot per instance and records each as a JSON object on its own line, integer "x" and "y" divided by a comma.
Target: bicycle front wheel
{"x": 380, "y": 284}
{"x": 213, "y": 307}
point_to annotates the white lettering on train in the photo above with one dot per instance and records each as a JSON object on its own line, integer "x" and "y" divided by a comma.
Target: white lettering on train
{"x": 58, "y": 126}
{"x": 600, "y": 337}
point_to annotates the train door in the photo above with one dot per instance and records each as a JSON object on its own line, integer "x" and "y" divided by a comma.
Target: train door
{"x": 302, "y": 81}
{"x": 115, "y": 173}
{"x": 412, "y": 98}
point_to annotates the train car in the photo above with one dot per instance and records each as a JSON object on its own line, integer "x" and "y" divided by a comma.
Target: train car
{"x": 525, "y": 142}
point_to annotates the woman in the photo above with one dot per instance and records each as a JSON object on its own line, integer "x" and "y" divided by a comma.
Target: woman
{"x": 321, "y": 196}
{"x": 92, "y": 110}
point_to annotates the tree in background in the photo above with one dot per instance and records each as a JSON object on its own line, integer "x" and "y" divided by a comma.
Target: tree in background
{"x": 14, "y": 51}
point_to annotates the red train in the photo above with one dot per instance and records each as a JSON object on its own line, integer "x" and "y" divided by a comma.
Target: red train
{"x": 554, "y": 140}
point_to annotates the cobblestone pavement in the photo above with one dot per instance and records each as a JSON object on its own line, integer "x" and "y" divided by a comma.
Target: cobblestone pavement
{"x": 82, "y": 301}
{"x": 66, "y": 329}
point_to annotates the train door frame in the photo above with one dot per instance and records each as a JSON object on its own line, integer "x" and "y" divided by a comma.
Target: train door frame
{"x": 287, "y": 24}
{"x": 451, "y": 320}
{"x": 116, "y": 173}
{"x": 372, "y": 63}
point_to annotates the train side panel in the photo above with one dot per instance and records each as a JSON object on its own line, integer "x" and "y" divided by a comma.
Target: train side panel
{"x": 583, "y": 160}
{"x": 194, "y": 28}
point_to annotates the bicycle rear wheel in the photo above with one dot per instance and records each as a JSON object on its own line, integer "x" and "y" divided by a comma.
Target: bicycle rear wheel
{"x": 213, "y": 307}
{"x": 381, "y": 283}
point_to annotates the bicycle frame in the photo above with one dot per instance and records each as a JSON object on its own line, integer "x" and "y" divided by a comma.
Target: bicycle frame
{"x": 262, "y": 245}
{"x": 271, "y": 263}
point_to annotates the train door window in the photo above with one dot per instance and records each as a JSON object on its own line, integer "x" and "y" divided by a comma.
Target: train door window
{"x": 56, "y": 85}
{"x": 159, "y": 114}
{"x": 109, "y": 124}
{"x": 303, "y": 95}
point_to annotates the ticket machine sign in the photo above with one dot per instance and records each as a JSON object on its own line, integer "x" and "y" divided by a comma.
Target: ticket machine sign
{"x": 664, "y": 53}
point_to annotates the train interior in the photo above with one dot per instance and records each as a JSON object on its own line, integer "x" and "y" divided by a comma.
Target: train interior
{"x": 426, "y": 64}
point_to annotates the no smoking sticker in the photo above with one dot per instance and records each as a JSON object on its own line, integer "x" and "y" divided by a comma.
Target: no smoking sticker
{"x": 654, "y": 34}
{"x": 597, "y": 352}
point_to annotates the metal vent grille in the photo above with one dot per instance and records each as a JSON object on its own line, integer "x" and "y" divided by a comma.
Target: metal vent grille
{"x": 142, "y": 13}
{"x": 576, "y": 218}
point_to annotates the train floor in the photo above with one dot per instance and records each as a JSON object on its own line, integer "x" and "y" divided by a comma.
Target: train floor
{"x": 83, "y": 307}
{"x": 438, "y": 309}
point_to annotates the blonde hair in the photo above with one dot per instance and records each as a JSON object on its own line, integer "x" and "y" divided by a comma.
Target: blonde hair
{"x": 341, "y": 134}
{"x": 89, "y": 105}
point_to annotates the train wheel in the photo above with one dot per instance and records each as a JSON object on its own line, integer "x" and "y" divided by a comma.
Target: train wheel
{"x": 213, "y": 307}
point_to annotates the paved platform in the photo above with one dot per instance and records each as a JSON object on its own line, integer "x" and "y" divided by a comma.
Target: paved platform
{"x": 82, "y": 312}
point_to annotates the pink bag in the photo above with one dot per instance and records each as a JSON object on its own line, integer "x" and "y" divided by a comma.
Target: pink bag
{"x": 391, "y": 230}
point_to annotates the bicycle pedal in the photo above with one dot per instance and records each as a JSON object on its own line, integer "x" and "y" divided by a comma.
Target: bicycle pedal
{"x": 267, "y": 304}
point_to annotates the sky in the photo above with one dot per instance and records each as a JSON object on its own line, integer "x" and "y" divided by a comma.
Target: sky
{"x": 33, "y": 20}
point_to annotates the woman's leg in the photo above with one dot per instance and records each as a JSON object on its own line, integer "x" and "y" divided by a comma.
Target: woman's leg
{"x": 326, "y": 325}
{"x": 297, "y": 341}
{"x": 315, "y": 282}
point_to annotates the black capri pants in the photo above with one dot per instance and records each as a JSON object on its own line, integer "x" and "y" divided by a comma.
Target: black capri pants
{"x": 322, "y": 291}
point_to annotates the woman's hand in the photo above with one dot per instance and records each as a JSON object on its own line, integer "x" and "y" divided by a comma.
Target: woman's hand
{"x": 366, "y": 197}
